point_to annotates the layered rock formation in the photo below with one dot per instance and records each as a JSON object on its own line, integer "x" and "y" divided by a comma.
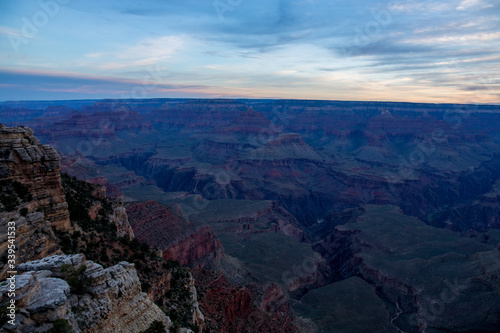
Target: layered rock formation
{"x": 228, "y": 301}
{"x": 70, "y": 292}
{"x": 229, "y": 306}
{"x": 423, "y": 158}
{"x": 120, "y": 219}
{"x": 117, "y": 215}
{"x": 36, "y": 167}
{"x": 178, "y": 238}
{"x": 34, "y": 238}
{"x": 253, "y": 218}
{"x": 32, "y": 195}
{"x": 435, "y": 278}
{"x": 99, "y": 300}
{"x": 102, "y": 224}
{"x": 198, "y": 113}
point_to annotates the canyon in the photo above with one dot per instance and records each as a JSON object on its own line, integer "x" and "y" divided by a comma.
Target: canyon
{"x": 55, "y": 214}
{"x": 281, "y": 209}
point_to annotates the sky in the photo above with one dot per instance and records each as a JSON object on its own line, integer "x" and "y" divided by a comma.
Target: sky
{"x": 403, "y": 50}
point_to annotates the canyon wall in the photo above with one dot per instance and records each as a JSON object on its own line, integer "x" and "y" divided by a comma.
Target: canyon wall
{"x": 177, "y": 238}
{"x": 32, "y": 195}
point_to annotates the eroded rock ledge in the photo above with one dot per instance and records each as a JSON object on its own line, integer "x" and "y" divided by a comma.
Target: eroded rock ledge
{"x": 89, "y": 297}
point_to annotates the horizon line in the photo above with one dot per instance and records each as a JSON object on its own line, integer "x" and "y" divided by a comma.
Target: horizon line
{"x": 240, "y": 99}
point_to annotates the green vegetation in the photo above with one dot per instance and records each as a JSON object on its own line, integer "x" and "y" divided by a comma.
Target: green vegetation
{"x": 99, "y": 242}
{"x": 79, "y": 196}
{"x": 12, "y": 194}
{"x": 76, "y": 278}
{"x": 24, "y": 211}
{"x": 61, "y": 326}
{"x": 3, "y": 315}
{"x": 177, "y": 302}
{"x": 171, "y": 264}
{"x": 347, "y": 306}
{"x": 270, "y": 256}
{"x": 155, "y": 327}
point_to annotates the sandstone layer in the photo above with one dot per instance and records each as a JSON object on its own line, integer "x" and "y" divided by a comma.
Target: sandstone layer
{"x": 178, "y": 238}
{"x": 109, "y": 300}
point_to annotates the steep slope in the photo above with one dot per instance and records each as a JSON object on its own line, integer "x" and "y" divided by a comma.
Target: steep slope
{"x": 93, "y": 298}
{"x": 177, "y": 238}
{"x": 103, "y": 233}
{"x": 36, "y": 168}
{"x": 31, "y": 195}
{"x": 230, "y": 298}
{"x": 432, "y": 278}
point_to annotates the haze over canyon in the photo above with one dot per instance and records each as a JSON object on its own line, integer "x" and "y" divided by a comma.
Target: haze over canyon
{"x": 255, "y": 215}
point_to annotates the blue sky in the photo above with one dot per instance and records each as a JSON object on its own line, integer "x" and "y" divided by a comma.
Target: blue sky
{"x": 416, "y": 51}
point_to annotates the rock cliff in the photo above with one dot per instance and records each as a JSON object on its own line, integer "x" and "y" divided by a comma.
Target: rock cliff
{"x": 436, "y": 279}
{"x": 99, "y": 300}
{"x": 31, "y": 195}
{"x": 178, "y": 238}
{"x": 266, "y": 216}
{"x": 104, "y": 294}
{"x": 36, "y": 167}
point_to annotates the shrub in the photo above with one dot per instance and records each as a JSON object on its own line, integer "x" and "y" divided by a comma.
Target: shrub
{"x": 61, "y": 326}
{"x": 3, "y": 315}
{"x": 156, "y": 327}
{"x": 170, "y": 264}
{"x": 76, "y": 278}
{"x": 23, "y": 211}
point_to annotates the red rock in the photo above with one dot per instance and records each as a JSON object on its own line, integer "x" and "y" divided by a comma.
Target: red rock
{"x": 178, "y": 238}
{"x": 253, "y": 308}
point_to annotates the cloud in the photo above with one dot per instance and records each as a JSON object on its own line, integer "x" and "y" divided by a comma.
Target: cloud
{"x": 467, "y": 4}
{"x": 64, "y": 82}
{"x": 261, "y": 48}
{"x": 413, "y": 6}
{"x": 157, "y": 48}
{"x": 146, "y": 52}
{"x": 481, "y": 36}
{"x": 9, "y": 31}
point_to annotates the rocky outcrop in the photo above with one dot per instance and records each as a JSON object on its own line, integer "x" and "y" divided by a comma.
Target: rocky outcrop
{"x": 36, "y": 167}
{"x": 189, "y": 248}
{"x": 247, "y": 308}
{"x": 34, "y": 238}
{"x": 120, "y": 220}
{"x": 272, "y": 218}
{"x": 177, "y": 238}
{"x": 32, "y": 196}
{"x": 83, "y": 196}
{"x": 100, "y": 300}
{"x": 168, "y": 284}
{"x": 251, "y": 122}
{"x": 69, "y": 290}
